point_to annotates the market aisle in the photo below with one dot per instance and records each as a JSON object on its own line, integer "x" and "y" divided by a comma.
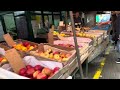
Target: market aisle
{"x": 111, "y": 70}
{"x": 97, "y": 66}
{"x": 93, "y": 68}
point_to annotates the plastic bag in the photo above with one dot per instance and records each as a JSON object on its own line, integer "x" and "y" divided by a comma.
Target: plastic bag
{"x": 2, "y": 51}
{"x": 4, "y": 74}
{"x": 48, "y": 64}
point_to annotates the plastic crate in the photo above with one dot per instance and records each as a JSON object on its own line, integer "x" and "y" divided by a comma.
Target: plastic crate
{"x": 104, "y": 27}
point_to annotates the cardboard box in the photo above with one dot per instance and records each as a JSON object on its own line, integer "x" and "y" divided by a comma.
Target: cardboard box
{"x": 73, "y": 52}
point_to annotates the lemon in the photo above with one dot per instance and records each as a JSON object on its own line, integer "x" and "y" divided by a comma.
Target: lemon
{"x": 4, "y": 60}
{"x": 24, "y": 49}
{"x": 31, "y": 47}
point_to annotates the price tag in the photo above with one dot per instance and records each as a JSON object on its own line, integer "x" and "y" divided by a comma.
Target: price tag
{"x": 41, "y": 47}
{"x": 9, "y": 40}
{"x": 50, "y": 36}
{"x": 61, "y": 23}
{"x": 15, "y": 60}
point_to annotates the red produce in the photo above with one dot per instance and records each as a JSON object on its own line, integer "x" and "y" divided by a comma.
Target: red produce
{"x": 22, "y": 71}
{"x": 41, "y": 76}
{"x": 30, "y": 71}
{"x": 56, "y": 69}
{"x": 26, "y": 44}
{"x": 29, "y": 66}
{"x": 47, "y": 71}
{"x": 38, "y": 67}
{"x": 35, "y": 74}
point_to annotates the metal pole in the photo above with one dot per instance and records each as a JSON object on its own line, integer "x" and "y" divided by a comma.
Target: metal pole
{"x": 86, "y": 68}
{"x": 76, "y": 45}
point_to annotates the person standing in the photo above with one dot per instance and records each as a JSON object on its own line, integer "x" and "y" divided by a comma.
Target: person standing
{"x": 83, "y": 19}
{"x": 116, "y": 32}
{"x": 114, "y": 26}
{"x": 77, "y": 20}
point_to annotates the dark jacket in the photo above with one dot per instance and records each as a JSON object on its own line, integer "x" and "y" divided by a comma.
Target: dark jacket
{"x": 77, "y": 20}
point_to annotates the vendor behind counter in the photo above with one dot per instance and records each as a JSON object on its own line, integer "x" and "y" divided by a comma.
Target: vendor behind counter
{"x": 77, "y": 20}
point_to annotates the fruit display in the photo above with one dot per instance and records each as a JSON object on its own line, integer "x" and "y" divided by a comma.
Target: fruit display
{"x": 55, "y": 32}
{"x": 78, "y": 34}
{"x": 62, "y": 34}
{"x": 68, "y": 44}
{"x": 99, "y": 32}
{"x": 59, "y": 56}
{"x": 81, "y": 34}
{"x": 3, "y": 60}
{"x": 87, "y": 35}
{"x": 83, "y": 29}
{"x": 24, "y": 46}
{"x": 79, "y": 39}
{"x": 37, "y": 72}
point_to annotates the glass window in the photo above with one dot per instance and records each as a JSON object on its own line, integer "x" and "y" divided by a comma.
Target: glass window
{"x": 63, "y": 15}
{"x": 36, "y": 24}
{"x": 10, "y": 24}
{"x": 56, "y": 12}
{"x": 1, "y": 32}
{"x": 56, "y": 20}
{"x": 46, "y": 21}
{"x": 38, "y": 12}
{"x": 21, "y": 25}
{"x": 63, "y": 12}
{"x": 47, "y": 12}
{"x": 50, "y": 19}
{"x": 19, "y": 13}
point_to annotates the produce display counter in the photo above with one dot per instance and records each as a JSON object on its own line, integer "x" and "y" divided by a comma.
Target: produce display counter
{"x": 99, "y": 49}
{"x": 61, "y": 53}
{"x": 96, "y": 47}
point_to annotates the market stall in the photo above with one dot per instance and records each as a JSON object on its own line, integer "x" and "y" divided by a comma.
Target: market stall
{"x": 57, "y": 59}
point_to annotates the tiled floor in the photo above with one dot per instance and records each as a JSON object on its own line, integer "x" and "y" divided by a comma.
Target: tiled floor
{"x": 111, "y": 70}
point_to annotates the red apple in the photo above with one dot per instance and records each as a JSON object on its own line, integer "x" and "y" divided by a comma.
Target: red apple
{"x": 61, "y": 44}
{"x": 71, "y": 46}
{"x": 38, "y": 67}
{"x": 46, "y": 71}
{"x": 41, "y": 76}
{"x": 22, "y": 71}
{"x": 1, "y": 59}
{"x": 35, "y": 74}
{"x": 68, "y": 55}
{"x": 30, "y": 71}
{"x": 56, "y": 69}
{"x": 26, "y": 44}
{"x": 57, "y": 52}
{"x": 28, "y": 66}
{"x": 25, "y": 74}
{"x": 56, "y": 56}
{"x": 62, "y": 54}
{"x": 51, "y": 75}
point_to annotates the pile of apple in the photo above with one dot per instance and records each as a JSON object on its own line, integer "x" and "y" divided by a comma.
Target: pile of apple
{"x": 24, "y": 46}
{"x": 66, "y": 45}
{"x": 69, "y": 45}
{"x": 37, "y": 72}
{"x": 3, "y": 60}
{"x": 59, "y": 56}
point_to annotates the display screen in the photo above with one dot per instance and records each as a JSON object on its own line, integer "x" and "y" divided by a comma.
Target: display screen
{"x": 102, "y": 17}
